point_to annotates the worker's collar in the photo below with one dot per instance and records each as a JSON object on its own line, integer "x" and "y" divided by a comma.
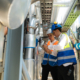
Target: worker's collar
{"x": 53, "y": 41}
{"x": 59, "y": 36}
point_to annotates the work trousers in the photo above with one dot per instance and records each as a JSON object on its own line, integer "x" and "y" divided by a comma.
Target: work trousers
{"x": 63, "y": 72}
{"x": 46, "y": 69}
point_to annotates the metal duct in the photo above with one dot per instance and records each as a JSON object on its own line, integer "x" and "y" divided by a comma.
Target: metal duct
{"x": 13, "y": 12}
{"x": 30, "y": 65}
{"x": 29, "y": 57}
{"x": 33, "y": 9}
{"x": 38, "y": 16}
{"x": 41, "y": 30}
{"x": 29, "y": 50}
{"x": 29, "y": 53}
{"x": 25, "y": 71}
{"x": 30, "y": 40}
{"x": 37, "y": 31}
{"x": 29, "y": 45}
{"x": 32, "y": 25}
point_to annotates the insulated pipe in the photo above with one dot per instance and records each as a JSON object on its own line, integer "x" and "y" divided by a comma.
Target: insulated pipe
{"x": 32, "y": 11}
{"x": 29, "y": 51}
{"x": 32, "y": 25}
{"x": 25, "y": 71}
{"x": 37, "y": 31}
{"x": 29, "y": 59}
{"x": 38, "y": 7}
{"x": 13, "y": 12}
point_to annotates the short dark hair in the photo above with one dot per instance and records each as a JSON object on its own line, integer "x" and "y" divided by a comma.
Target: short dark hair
{"x": 58, "y": 29}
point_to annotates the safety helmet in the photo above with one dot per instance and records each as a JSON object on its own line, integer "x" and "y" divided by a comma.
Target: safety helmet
{"x": 49, "y": 31}
{"x": 55, "y": 26}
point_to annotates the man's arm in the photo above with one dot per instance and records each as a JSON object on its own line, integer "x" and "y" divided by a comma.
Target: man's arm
{"x": 46, "y": 49}
{"x": 60, "y": 45}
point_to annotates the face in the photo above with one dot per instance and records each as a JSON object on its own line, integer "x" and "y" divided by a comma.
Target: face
{"x": 51, "y": 37}
{"x": 55, "y": 33}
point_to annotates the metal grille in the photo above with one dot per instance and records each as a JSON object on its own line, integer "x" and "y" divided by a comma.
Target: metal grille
{"x": 46, "y": 8}
{"x": 73, "y": 15}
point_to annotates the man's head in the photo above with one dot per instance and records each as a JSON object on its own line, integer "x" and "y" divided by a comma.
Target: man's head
{"x": 56, "y": 29}
{"x": 50, "y": 35}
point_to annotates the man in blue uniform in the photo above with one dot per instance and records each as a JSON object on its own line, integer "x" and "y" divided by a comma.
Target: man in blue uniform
{"x": 65, "y": 57}
{"x": 50, "y": 59}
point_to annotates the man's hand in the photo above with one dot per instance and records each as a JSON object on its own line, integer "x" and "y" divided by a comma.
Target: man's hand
{"x": 46, "y": 49}
{"x": 45, "y": 46}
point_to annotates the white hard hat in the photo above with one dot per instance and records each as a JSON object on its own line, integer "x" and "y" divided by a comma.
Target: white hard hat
{"x": 48, "y": 31}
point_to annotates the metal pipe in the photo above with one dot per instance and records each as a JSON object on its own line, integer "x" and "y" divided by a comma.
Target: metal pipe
{"x": 38, "y": 7}
{"x": 10, "y": 7}
{"x": 29, "y": 51}
{"x": 25, "y": 71}
{"x": 29, "y": 56}
{"x": 32, "y": 25}
{"x": 37, "y": 31}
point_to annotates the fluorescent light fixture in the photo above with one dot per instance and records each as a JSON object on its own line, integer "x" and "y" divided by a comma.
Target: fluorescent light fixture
{"x": 62, "y": 4}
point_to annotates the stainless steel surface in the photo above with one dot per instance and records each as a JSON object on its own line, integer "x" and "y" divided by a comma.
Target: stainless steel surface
{"x": 29, "y": 53}
{"x": 25, "y": 71}
{"x": 13, "y": 59}
{"x": 37, "y": 31}
{"x": 41, "y": 31}
{"x": 35, "y": 55}
{"x": 1, "y": 42}
{"x": 30, "y": 40}
{"x": 13, "y": 12}
{"x": 35, "y": 17}
{"x": 30, "y": 65}
{"x": 33, "y": 9}
{"x": 21, "y": 51}
{"x": 38, "y": 11}
{"x": 32, "y": 25}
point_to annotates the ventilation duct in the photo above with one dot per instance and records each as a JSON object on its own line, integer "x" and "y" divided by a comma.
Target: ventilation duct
{"x": 13, "y": 12}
